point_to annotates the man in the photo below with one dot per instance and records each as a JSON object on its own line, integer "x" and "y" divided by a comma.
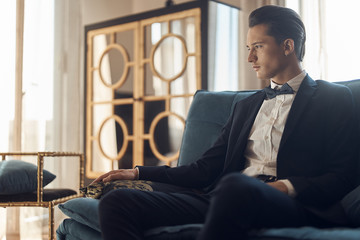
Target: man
{"x": 284, "y": 158}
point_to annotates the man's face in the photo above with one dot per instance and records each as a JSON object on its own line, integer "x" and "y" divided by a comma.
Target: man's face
{"x": 266, "y": 55}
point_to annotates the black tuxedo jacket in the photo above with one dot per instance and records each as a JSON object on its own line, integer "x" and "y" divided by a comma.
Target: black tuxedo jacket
{"x": 317, "y": 151}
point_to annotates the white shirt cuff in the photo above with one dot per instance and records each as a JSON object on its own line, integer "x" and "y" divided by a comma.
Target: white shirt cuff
{"x": 290, "y": 187}
{"x": 138, "y": 173}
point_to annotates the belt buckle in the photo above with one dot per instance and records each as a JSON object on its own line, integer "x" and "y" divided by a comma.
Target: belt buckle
{"x": 267, "y": 178}
{"x": 271, "y": 179}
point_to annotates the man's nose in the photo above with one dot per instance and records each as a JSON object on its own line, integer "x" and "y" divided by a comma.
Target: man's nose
{"x": 251, "y": 56}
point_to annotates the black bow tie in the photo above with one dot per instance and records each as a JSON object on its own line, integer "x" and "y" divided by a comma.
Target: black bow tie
{"x": 271, "y": 93}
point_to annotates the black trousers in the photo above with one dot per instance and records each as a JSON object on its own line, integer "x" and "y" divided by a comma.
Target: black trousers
{"x": 237, "y": 205}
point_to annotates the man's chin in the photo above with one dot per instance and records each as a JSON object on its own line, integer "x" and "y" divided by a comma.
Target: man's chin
{"x": 262, "y": 77}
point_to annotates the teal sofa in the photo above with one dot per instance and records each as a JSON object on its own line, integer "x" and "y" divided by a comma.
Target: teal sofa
{"x": 208, "y": 113}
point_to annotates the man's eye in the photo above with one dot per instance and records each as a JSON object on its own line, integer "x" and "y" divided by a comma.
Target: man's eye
{"x": 258, "y": 46}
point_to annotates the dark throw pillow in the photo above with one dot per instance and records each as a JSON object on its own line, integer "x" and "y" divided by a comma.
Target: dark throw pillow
{"x": 20, "y": 177}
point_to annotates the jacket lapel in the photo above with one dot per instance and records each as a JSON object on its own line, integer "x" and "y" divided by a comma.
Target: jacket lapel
{"x": 255, "y": 103}
{"x": 302, "y": 98}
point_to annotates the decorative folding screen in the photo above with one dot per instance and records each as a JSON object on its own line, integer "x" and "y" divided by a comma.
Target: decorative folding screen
{"x": 140, "y": 80}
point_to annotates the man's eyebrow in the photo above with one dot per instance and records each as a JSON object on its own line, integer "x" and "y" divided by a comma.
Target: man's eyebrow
{"x": 259, "y": 42}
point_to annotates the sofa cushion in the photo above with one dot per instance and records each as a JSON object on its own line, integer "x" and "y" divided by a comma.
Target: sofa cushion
{"x": 70, "y": 229}
{"x": 208, "y": 113}
{"x": 351, "y": 205}
{"x": 190, "y": 231}
{"x": 83, "y": 210}
{"x": 187, "y": 231}
{"x": 354, "y": 86}
{"x": 20, "y": 177}
{"x": 307, "y": 233}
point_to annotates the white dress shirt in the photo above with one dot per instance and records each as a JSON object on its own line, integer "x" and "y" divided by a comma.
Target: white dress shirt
{"x": 265, "y": 135}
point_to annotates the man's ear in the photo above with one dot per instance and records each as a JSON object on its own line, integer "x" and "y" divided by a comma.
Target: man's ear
{"x": 289, "y": 46}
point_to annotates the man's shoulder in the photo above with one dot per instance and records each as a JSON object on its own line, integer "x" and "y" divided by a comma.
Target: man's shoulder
{"x": 330, "y": 85}
{"x": 332, "y": 89}
{"x": 334, "y": 95}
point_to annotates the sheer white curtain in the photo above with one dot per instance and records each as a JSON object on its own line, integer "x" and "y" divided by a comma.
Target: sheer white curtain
{"x": 51, "y": 100}
{"x": 223, "y": 47}
{"x": 67, "y": 129}
{"x": 52, "y": 103}
{"x": 330, "y": 28}
{"x": 7, "y": 69}
{"x": 312, "y": 13}
{"x": 7, "y": 84}
{"x": 37, "y": 99}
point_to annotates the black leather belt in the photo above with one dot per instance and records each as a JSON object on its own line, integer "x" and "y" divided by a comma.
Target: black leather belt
{"x": 266, "y": 178}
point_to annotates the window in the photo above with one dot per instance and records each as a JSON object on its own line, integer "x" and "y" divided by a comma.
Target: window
{"x": 331, "y": 35}
{"x": 7, "y": 68}
{"x": 38, "y": 71}
{"x": 37, "y": 84}
{"x": 37, "y": 95}
{"x": 223, "y": 62}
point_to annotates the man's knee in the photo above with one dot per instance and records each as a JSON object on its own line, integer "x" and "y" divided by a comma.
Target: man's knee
{"x": 116, "y": 201}
{"x": 238, "y": 183}
{"x": 236, "y": 188}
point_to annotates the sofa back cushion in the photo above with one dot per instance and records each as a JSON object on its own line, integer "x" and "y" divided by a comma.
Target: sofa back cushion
{"x": 354, "y": 86}
{"x": 208, "y": 113}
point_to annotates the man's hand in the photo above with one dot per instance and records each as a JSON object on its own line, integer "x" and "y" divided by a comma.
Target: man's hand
{"x": 279, "y": 186}
{"x": 120, "y": 174}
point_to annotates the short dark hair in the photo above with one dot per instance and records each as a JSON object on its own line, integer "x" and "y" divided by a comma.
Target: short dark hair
{"x": 283, "y": 23}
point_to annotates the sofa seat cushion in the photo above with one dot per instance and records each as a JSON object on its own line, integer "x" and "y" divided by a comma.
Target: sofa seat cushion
{"x": 351, "y": 205}
{"x": 190, "y": 231}
{"x": 70, "y": 229}
{"x": 83, "y": 210}
{"x": 84, "y": 222}
{"x": 308, "y": 233}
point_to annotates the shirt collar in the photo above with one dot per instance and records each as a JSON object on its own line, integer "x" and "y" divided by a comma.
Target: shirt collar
{"x": 294, "y": 83}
